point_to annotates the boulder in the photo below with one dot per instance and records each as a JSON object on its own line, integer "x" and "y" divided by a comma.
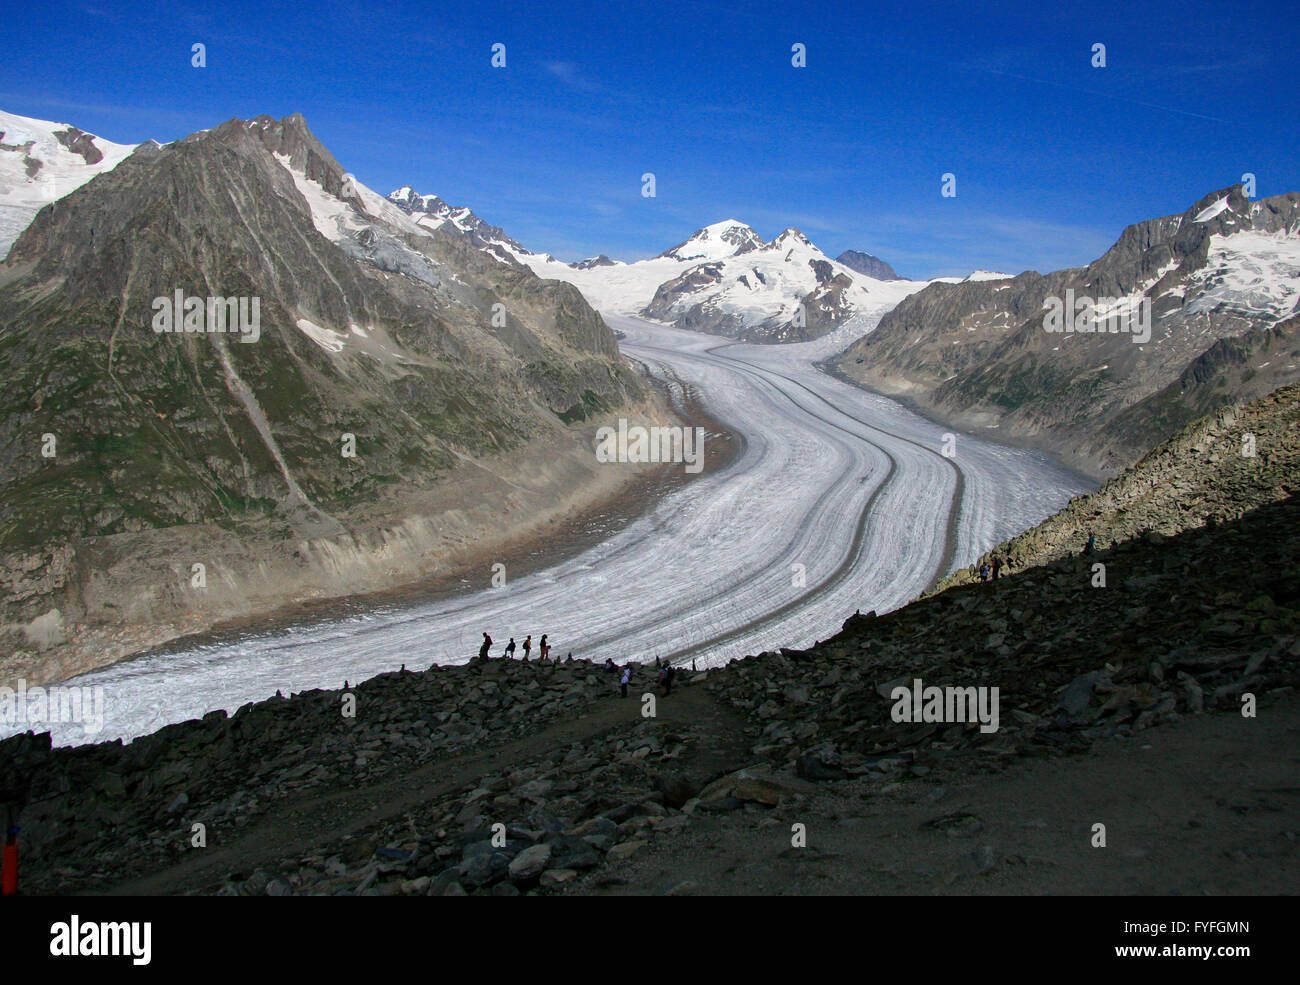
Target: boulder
{"x": 557, "y": 877}
{"x": 1077, "y": 695}
{"x": 483, "y": 869}
{"x": 822, "y": 763}
{"x": 625, "y": 850}
{"x": 530, "y": 863}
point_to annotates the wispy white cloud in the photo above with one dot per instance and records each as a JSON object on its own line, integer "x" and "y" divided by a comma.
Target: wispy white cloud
{"x": 570, "y": 73}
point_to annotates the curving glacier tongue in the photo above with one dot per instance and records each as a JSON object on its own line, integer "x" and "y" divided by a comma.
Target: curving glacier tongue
{"x": 840, "y": 501}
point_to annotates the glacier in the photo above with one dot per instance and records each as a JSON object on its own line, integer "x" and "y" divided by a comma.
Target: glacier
{"x": 839, "y": 500}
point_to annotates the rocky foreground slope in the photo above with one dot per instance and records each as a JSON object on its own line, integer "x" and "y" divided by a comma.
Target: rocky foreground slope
{"x": 1196, "y": 311}
{"x": 504, "y": 777}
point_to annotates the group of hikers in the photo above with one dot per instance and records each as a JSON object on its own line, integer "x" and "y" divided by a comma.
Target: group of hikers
{"x": 544, "y": 648}
{"x": 667, "y": 672}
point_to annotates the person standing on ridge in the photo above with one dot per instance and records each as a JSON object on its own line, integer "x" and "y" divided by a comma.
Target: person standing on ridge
{"x": 626, "y": 680}
{"x": 997, "y": 568}
{"x": 545, "y": 648}
{"x": 487, "y": 645}
{"x": 1092, "y": 543}
{"x": 528, "y": 645}
{"x": 984, "y": 572}
{"x": 510, "y": 649}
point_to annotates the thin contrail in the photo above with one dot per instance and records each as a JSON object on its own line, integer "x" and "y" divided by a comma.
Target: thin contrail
{"x": 1104, "y": 95}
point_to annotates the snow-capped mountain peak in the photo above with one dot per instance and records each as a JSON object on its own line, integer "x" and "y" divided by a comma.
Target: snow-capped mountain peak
{"x": 408, "y": 199}
{"x": 714, "y": 242}
{"x": 431, "y": 212}
{"x": 786, "y": 290}
{"x": 791, "y": 237}
{"x": 727, "y": 279}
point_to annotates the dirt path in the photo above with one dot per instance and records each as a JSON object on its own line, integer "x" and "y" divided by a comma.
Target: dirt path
{"x": 1207, "y": 806}
{"x": 297, "y": 825}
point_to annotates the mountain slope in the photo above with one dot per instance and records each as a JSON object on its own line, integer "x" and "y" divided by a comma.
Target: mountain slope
{"x": 1211, "y": 472}
{"x": 978, "y": 354}
{"x": 433, "y": 356}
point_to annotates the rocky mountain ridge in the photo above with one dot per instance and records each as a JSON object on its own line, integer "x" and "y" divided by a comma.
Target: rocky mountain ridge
{"x": 1217, "y": 288}
{"x": 432, "y": 212}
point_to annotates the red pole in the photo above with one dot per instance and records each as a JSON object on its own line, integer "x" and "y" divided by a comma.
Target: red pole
{"x": 10, "y": 875}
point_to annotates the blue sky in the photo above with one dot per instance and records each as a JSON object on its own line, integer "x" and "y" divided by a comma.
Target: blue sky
{"x": 1052, "y": 156}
